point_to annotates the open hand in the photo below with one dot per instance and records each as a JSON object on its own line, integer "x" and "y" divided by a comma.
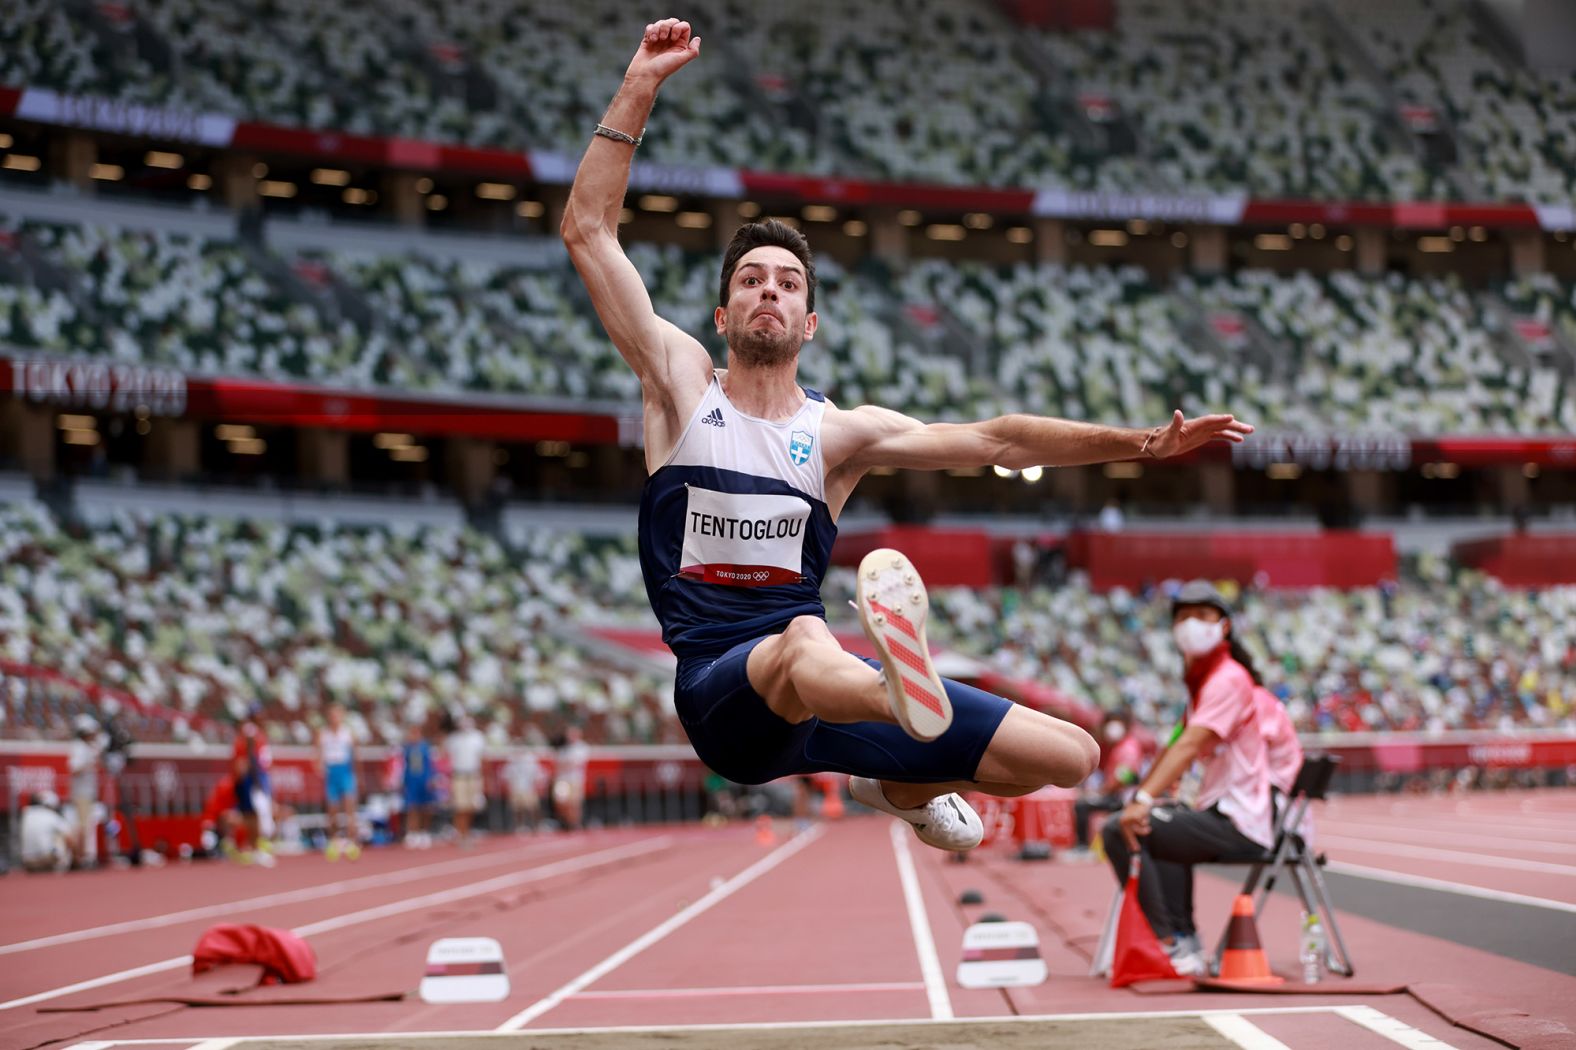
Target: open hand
{"x": 665, "y": 49}
{"x": 1185, "y": 435}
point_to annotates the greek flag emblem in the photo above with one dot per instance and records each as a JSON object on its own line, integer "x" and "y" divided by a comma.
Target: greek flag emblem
{"x": 799, "y": 443}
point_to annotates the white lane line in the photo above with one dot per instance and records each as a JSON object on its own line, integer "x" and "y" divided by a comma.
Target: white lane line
{"x": 662, "y": 929}
{"x": 1464, "y": 889}
{"x": 1244, "y": 1033}
{"x": 214, "y": 1044}
{"x": 1441, "y": 837}
{"x": 1458, "y": 819}
{"x": 919, "y": 923}
{"x": 1390, "y": 1028}
{"x": 309, "y": 893}
{"x": 1396, "y": 849}
{"x": 502, "y": 882}
{"x": 405, "y": 1039}
{"x": 762, "y": 989}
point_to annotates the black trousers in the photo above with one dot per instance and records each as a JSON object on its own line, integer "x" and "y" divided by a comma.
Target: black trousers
{"x": 1179, "y": 838}
{"x": 1083, "y": 808}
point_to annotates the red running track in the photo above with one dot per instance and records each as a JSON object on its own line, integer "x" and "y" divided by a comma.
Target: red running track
{"x": 694, "y": 925}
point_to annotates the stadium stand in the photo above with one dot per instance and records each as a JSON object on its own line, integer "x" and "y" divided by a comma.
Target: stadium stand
{"x": 1415, "y": 656}
{"x": 1517, "y": 124}
{"x": 1241, "y": 95}
{"x": 1418, "y": 355}
{"x": 1204, "y": 88}
{"x": 208, "y": 616}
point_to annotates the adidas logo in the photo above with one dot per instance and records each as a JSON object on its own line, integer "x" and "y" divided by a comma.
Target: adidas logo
{"x": 714, "y": 419}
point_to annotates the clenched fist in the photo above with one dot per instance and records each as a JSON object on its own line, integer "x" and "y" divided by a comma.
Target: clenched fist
{"x": 665, "y": 49}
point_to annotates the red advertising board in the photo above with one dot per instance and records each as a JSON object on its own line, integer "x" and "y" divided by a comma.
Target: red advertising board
{"x": 1294, "y": 560}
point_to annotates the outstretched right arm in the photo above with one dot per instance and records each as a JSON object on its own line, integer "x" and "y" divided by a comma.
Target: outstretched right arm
{"x": 673, "y": 368}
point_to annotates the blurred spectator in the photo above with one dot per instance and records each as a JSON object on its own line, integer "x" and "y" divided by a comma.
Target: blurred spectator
{"x": 523, "y": 775}
{"x": 1111, "y": 517}
{"x": 569, "y": 783}
{"x": 82, "y": 760}
{"x": 46, "y": 836}
{"x": 337, "y": 766}
{"x": 221, "y": 820}
{"x": 417, "y": 785}
{"x": 252, "y": 760}
{"x": 466, "y": 746}
{"x": 1121, "y": 764}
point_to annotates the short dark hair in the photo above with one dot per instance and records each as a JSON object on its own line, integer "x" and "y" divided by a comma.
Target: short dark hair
{"x": 767, "y": 233}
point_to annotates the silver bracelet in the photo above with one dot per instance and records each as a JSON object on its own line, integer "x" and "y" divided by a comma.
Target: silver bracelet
{"x": 619, "y": 136}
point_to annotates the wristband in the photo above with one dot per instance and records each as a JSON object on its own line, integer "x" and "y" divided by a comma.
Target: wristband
{"x": 1143, "y": 797}
{"x": 619, "y": 136}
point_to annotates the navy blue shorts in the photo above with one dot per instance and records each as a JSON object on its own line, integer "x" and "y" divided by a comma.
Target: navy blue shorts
{"x": 738, "y": 736}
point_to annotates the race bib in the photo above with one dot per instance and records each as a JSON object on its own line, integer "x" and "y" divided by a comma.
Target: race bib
{"x": 743, "y": 539}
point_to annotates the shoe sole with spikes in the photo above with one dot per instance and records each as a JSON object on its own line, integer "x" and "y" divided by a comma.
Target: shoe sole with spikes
{"x": 893, "y": 607}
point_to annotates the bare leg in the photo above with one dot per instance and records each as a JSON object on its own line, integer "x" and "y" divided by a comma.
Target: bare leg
{"x": 805, "y": 672}
{"x": 911, "y": 796}
{"x": 1030, "y": 750}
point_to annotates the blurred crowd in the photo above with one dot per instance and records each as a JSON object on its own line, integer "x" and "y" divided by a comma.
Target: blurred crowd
{"x": 1444, "y": 648}
{"x": 208, "y": 618}
{"x": 1342, "y": 352}
{"x": 1279, "y": 98}
{"x": 195, "y": 622}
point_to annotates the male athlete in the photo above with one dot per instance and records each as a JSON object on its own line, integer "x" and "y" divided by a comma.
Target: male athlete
{"x": 748, "y": 473}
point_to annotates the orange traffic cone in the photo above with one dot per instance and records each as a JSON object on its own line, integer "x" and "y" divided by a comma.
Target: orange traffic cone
{"x": 765, "y": 833}
{"x": 1243, "y": 961}
{"x": 832, "y": 801}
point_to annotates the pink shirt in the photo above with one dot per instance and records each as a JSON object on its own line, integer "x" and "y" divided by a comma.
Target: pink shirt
{"x": 1283, "y": 749}
{"x": 1236, "y": 771}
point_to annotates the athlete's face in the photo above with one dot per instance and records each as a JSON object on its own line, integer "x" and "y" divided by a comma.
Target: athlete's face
{"x": 767, "y": 317}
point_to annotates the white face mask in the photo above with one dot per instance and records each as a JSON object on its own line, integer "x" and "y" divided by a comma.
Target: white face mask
{"x": 1114, "y": 731}
{"x": 1196, "y": 637}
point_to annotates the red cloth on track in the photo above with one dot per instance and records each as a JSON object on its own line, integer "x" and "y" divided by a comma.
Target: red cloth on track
{"x": 284, "y": 957}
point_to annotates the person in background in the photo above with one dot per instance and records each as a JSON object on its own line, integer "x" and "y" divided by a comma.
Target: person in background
{"x": 466, "y": 746}
{"x": 221, "y": 820}
{"x": 416, "y": 782}
{"x": 46, "y": 836}
{"x": 1232, "y": 818}
{"x": 82, "y": 759}
{"x": 523, "y": 775}
{"x": 337, "y": 766}
{"x": 251, "y": 761}
{"x": 1121, "y": 763}
{"x": 569, "y": 785}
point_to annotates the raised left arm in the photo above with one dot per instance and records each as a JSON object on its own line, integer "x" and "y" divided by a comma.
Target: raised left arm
{"x": 895, "y": 440}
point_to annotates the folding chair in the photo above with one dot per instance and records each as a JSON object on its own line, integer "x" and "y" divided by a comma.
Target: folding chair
{"x": 1291, "y": 855}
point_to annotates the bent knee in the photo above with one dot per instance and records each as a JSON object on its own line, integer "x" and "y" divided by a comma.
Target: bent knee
{"x": 1077, "y": 756}
{"x": 807, "y": 632}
